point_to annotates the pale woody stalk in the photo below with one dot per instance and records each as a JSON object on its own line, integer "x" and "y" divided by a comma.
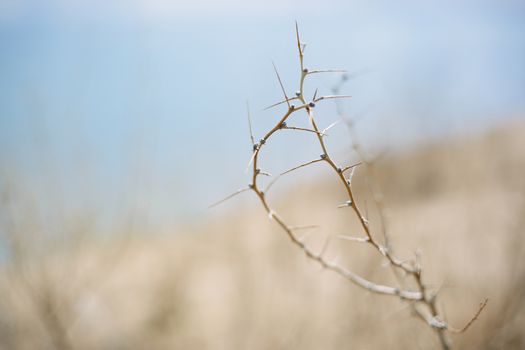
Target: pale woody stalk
{"x": 423, "y": 300}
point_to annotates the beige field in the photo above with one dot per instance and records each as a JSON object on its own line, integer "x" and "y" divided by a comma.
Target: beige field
{"x": 234, "y": 281}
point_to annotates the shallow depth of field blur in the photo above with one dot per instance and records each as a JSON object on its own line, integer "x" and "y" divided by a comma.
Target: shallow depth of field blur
{"x": 120, "y": 123}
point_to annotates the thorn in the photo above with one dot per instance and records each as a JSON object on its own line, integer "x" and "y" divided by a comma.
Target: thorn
{"x": 252, "y": 157}
{"x": 330, "y": 126}
{"x": 281, "y": 83}
{"x": 325, "y": 246}
{"x": 482, "y": 305}
{"x": 303, "y": 238}
{"x": 231, "y": 196}
{"x": 272, "y": 183}
{"x": 331, "y": 97}
{"x": 250, "y": 122}
{"x": 280, "y": 103}
{"x": 349, "y": 180}
{"x": 302, "y": 129}
{"x": 435, "y": 322}
{"x": 354, "y": 239}
{"x": 418, "y": 264}
{"x": 307, "y": 227}
{"x": 351, "y": 166}
{"x": 345, "y": 204}
{"x": 317, "y": 71}
{"x": 300, "y": 166}
{"x": 298, "y": 41}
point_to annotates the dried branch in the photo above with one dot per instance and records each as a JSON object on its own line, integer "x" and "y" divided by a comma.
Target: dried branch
{"x": 424, "y": 302}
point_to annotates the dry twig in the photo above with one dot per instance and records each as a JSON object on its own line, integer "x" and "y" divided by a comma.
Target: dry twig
{"x": 423, "y": 300}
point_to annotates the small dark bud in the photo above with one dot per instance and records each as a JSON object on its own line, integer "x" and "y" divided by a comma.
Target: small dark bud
{"x": 311, "y": 105}
{"x": 250, "y": 186}
{"x": 262, "y": 142}
{"x": 339, "y": 170}
{"x": 257, "y": 171}
{"x": 283, "y": 125}
{"x": 298, "y": 93}
{"x": 323, "y": 156}
{"x": 292, "y": 107}
{"x": 305, "y": 70}
{"x": 256, "y": 147}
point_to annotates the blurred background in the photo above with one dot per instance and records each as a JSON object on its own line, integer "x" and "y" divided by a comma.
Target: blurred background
{"x": 121, "y": 122}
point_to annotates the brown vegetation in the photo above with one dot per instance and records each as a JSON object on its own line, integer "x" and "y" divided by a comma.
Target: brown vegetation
{"x": 236, "y": 283}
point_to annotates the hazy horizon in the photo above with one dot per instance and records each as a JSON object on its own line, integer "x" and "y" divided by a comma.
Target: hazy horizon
{"x": 143, "y": 105}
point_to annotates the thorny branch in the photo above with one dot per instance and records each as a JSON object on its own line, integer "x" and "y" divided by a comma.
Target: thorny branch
{"x": 422, "y": 299}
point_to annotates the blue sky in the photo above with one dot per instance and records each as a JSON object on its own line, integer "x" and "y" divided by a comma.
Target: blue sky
{"x": 112, "y": 105}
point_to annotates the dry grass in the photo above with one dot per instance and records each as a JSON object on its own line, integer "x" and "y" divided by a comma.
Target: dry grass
{"x": 236, "y": 283}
